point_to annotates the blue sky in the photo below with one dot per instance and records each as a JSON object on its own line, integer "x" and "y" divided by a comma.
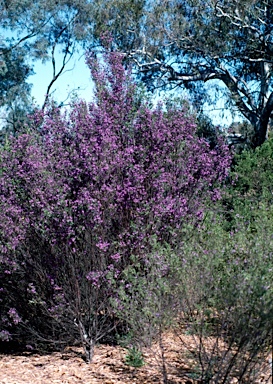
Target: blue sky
{"x": 77, "y": 79}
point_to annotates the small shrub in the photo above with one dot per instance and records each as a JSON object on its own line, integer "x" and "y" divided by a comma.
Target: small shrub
{"x": 134, "y": 358}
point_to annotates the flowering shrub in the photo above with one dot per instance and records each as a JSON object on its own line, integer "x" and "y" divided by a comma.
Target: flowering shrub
{"x": 81, "y": 194}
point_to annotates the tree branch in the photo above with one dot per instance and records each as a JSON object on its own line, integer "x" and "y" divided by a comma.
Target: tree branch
{"x": 26, "y": 37}
{"x": 64, "y": 62}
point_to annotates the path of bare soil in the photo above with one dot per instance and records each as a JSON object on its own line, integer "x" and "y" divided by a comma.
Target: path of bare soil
{"x": 108, "y": 366}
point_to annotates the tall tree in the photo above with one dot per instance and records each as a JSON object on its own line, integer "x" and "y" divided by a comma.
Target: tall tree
{"x": 189, "y": 43}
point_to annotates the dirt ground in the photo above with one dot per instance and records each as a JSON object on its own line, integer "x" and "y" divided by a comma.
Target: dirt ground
{"x": 108, "y": 366}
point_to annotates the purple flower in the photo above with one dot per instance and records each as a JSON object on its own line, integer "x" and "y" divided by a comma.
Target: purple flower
{"x": 14, "y": 316}
{"x": 116, "y": 257}
{"x": 5, "y": 335}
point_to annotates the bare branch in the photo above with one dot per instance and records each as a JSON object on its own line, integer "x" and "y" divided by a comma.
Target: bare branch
{"x": 66, "y": 58}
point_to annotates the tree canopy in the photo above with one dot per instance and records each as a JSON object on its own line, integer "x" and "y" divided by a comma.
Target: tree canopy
{"x": 173, "y": 43}
{"x": 178, "y": 43}
{"x": 31, "y": 31}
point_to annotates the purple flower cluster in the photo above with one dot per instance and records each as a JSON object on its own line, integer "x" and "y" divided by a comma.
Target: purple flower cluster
{"x": 92, "y": 188}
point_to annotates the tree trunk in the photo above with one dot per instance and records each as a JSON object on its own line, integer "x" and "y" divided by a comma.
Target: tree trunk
{"x": 89, "y": 350}
{"x": 260, "y": 131}
{"x": 88, "y": 343}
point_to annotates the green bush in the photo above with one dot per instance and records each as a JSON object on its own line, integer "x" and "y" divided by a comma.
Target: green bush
{"x": 134, "y": 358}
{"x": 251, "y": 184}
{"x": 226, "y": 290}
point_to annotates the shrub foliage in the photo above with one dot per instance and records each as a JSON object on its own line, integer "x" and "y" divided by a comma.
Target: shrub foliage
{"x": 83, "y": 195}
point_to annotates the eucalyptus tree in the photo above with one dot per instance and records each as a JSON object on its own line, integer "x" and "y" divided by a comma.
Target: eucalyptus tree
{"x": 39, "y": 30}
{"x": 173, "y": 43}
{"x": 179, "y": 43}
